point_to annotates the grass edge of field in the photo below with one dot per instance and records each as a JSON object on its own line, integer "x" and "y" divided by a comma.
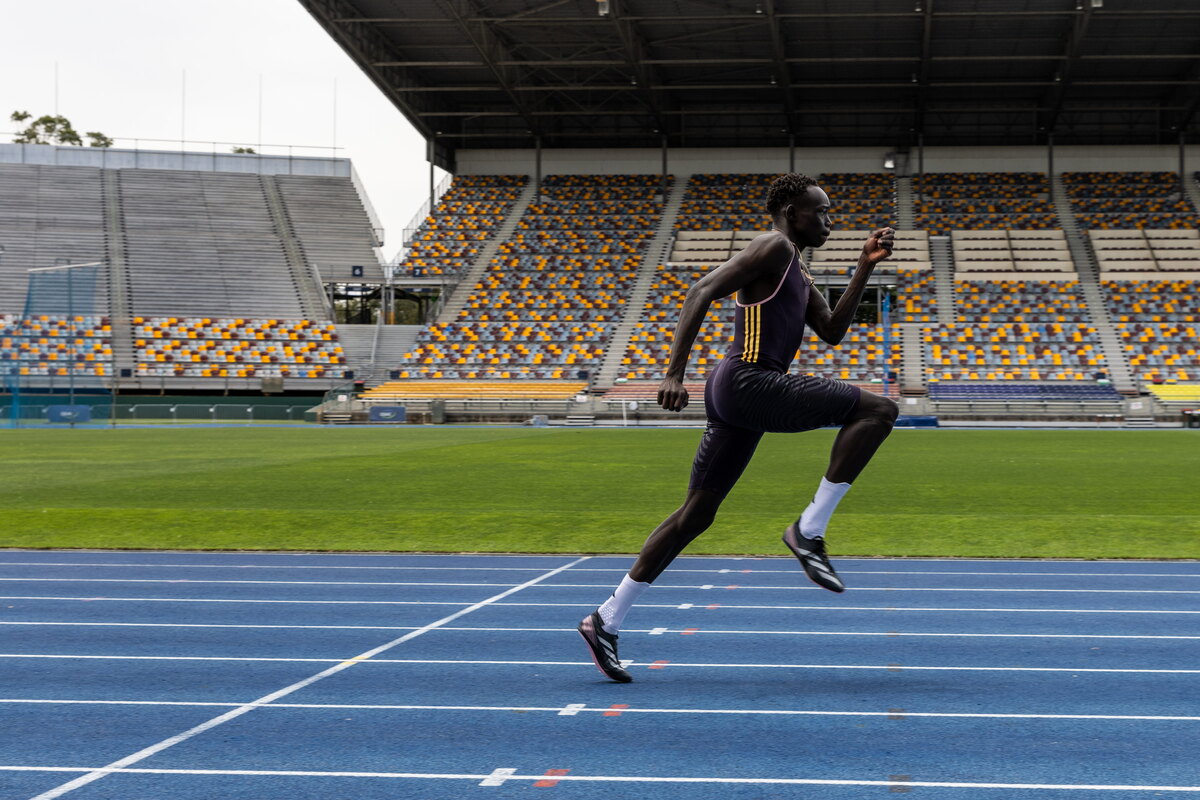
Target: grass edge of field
{"x": 566, "y": 553}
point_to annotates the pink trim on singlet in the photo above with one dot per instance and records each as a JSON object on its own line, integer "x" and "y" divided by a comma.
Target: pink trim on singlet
{"x": 794, "y": 257}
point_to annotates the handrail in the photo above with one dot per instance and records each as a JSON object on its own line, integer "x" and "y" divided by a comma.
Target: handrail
{"x": 377, "y": 231}
{"x": 426, "y": 208}
{"x": 375, "y": 341}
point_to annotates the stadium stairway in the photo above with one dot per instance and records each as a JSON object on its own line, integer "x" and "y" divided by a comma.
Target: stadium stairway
{"x": 657, "y": 252}
{"x": 308, "y": 288}
{"x": 1089, "y": 285}
{"x": 118, "y": 274}
{"x": 358, "y": 343}
{"x": 373, "y": 351}
{"x": 942, "y": 256}
{"x": 394, "y": 341}
{"x": 1081, "y": 254}
{"x": 458, "y": 296}
{"x": 912, "y": 358}
{"x": 905, "y": 219}
{"x": 1114, "y": 354}
{"x": 1193, "y": 192}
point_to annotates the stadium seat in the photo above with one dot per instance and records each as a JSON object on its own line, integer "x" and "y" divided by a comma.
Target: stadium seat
{"x": 550, "y": 300}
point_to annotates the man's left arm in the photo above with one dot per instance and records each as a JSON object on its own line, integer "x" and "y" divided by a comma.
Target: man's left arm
{"x": 831, "y": 325}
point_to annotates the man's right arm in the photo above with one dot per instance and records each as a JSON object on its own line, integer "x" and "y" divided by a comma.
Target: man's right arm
{"x": 762, "y": 256}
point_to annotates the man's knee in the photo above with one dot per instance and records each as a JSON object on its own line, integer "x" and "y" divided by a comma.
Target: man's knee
{"x": 889, "y": 411}
{"x": 880, "y": 410}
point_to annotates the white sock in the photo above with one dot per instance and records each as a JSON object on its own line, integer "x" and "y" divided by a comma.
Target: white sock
{"x": 816, "y": 517}
{"x": 613, "y": 612}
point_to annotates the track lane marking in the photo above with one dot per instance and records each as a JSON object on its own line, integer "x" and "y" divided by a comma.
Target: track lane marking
{"x": 573, "y": 709}
{"x": 707, "y": 586}
{"x": 681, "y": 559}
{"x": 146, "y": 752}
{"x": 235, "y": 601}
{"x": 480, "y": 776}
{"x": 394, "y": 568}
{"x": 659, "y": 664}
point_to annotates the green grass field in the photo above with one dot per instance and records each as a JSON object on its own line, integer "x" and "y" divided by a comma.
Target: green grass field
{"x": 1062, "y": 494}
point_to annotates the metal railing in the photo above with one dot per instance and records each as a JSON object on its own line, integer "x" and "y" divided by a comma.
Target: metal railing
{"x": 418, "y": 219}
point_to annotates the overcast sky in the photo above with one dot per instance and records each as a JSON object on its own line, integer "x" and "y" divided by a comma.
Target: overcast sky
{"x": 121, "y": 70}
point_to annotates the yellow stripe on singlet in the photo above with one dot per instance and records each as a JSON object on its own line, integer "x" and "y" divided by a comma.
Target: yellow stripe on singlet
{"x": 753, "y": 319}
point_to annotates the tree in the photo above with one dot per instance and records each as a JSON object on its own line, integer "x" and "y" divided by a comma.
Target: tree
{"x": 57, "y": 129}
{"x": 243, "y": 150}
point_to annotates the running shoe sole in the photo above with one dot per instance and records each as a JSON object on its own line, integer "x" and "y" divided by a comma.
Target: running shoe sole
{"x": 588, "y": 625}
{"x": 833, "y": 582}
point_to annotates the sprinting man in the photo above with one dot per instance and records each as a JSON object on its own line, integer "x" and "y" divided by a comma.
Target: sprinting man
{"x": 751, "y": 393}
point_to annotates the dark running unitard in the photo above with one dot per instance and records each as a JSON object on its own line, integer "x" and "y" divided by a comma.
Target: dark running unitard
{"x": 751, "y": 393}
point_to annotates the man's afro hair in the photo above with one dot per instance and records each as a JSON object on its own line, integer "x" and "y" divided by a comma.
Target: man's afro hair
{"x": 785, "y": 189}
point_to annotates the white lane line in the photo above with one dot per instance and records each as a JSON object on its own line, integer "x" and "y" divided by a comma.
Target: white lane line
{"x": 650, "y": 631}
{"x": 235, "y": 600}
{"x": 573, "y": 709}
{"x": 144, "y": 753}
{"x": 283, "y": 555}
{"x": 724, "y": 606}
{"x": 584, "y": 569}
{"x": 481, "y": 776}
{"x": 706, "y": 586}
{"x": 500, "y": 662}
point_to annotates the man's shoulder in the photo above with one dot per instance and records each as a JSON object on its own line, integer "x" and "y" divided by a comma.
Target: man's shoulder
{"x": 772, "y": 244}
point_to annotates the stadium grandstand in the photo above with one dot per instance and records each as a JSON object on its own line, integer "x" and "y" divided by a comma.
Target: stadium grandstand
{"x": 604, "y": 156}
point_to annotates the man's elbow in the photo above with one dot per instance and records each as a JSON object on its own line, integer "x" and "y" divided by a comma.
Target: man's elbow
{"x": 698, "y": 295}
{"x": 828, "y": 335}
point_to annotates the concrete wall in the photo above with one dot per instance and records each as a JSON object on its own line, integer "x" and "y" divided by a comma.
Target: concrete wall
{"x": 119, "y": 158}
{"x": 827, "y": 159}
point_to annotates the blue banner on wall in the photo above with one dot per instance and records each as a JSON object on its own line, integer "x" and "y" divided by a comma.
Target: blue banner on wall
{"x": 69, "y": 413}
{"x": 388, "y": 414}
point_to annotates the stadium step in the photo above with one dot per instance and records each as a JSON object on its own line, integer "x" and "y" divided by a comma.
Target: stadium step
{"x": 581, "y": 420}
{"x": 1193, "y": 191}
{"x": 912, "y": 361}
{"x": 942, "y": 256}
{"x": 456, "y": 299}
{"x": 656, "y": 253}
{"x": 118, "y": 280}
{"x": 904, "y": 204}
{"x": 394, "y": 342}
{"x": 308, "y": 289}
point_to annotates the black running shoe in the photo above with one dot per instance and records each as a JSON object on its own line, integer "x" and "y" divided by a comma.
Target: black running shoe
{"x": 603, "y": 646}
{"x": 811, "y": 553}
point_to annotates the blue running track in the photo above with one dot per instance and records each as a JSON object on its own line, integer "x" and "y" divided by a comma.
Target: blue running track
{"x": 194, "y": 676}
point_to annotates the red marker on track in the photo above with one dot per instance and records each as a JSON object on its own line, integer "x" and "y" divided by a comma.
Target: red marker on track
{"x": 545, "y": 783}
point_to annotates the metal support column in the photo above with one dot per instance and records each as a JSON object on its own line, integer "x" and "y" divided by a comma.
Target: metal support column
{"x": 1182, "y": 166}
{"x": 920, "y": 164}
{"x": 664, "y": 169}
{"x": 430, "y": 149}
{"x": 537, "y": 178}
{"x": 1050, "y": 158}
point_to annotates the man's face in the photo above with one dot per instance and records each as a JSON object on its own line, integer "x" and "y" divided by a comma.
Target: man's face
{"x": 810, "y": 218}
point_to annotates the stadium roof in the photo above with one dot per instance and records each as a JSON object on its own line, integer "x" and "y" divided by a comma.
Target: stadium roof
{"x": 624, "y": 73}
